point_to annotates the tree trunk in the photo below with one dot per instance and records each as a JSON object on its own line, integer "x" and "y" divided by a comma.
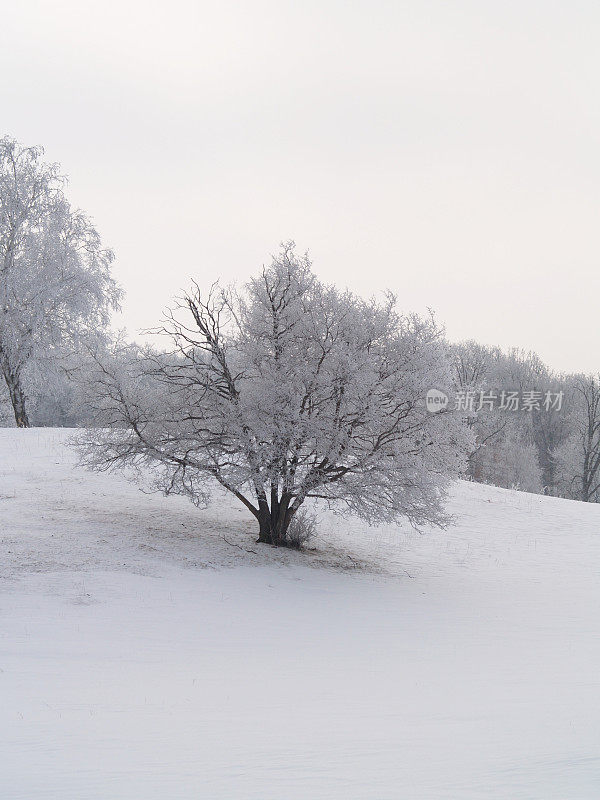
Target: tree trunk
{"x": 273, "y": 525}
{"x": 17, "y": 396}
{"x": 585, "y": 489}
{"x": 264, "y": 525}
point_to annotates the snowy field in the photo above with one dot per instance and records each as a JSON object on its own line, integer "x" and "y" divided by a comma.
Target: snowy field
{"x": 144, "y": 654}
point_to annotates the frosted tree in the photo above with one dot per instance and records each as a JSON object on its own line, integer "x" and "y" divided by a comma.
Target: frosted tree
{"x": 287, "y": 391}
{"x": 578, "y": 458}
{"x": 511, "y": 461}
{"x": 509, "y": 445}
{"x": 547, "y": 425}
{"x": 475, "y": 369}
{"x": 54, "y": 273}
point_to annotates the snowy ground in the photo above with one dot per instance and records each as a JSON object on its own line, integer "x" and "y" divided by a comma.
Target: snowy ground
{"x": 144, "y": 654}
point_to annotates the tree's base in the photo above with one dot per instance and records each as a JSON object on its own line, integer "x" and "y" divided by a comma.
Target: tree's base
{"x": 278, "y": 531}
{"x": 286, "y": 543}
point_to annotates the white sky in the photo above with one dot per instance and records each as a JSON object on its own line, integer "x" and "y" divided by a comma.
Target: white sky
{"x": 448, "y": 151}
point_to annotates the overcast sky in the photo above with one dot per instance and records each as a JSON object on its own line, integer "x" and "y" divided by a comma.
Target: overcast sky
{"x": 448, "y": 151}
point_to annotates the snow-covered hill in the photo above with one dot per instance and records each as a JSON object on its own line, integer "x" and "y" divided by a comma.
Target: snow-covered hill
{"x": 151, "y": 650}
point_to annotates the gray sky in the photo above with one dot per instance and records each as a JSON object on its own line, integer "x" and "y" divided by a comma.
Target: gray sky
{"x": 448, "y": 151}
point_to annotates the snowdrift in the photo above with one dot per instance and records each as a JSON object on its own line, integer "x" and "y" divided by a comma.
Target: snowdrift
{"x": 151, "y": 650}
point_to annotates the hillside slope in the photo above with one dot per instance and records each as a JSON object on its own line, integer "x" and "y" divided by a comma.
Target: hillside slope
{"x": 151, "y": 650}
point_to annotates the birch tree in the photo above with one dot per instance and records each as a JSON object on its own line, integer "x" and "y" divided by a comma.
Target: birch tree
{"x": 286, "y": 391}
{"x": 54, "y": 272}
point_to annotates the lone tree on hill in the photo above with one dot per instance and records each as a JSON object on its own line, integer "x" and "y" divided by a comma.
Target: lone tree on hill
{"x": 54, "y": 273}
{"x": 286, "y": 391}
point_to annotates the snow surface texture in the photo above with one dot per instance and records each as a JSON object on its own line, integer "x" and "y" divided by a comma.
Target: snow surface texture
{"x": 144, "y": 654}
